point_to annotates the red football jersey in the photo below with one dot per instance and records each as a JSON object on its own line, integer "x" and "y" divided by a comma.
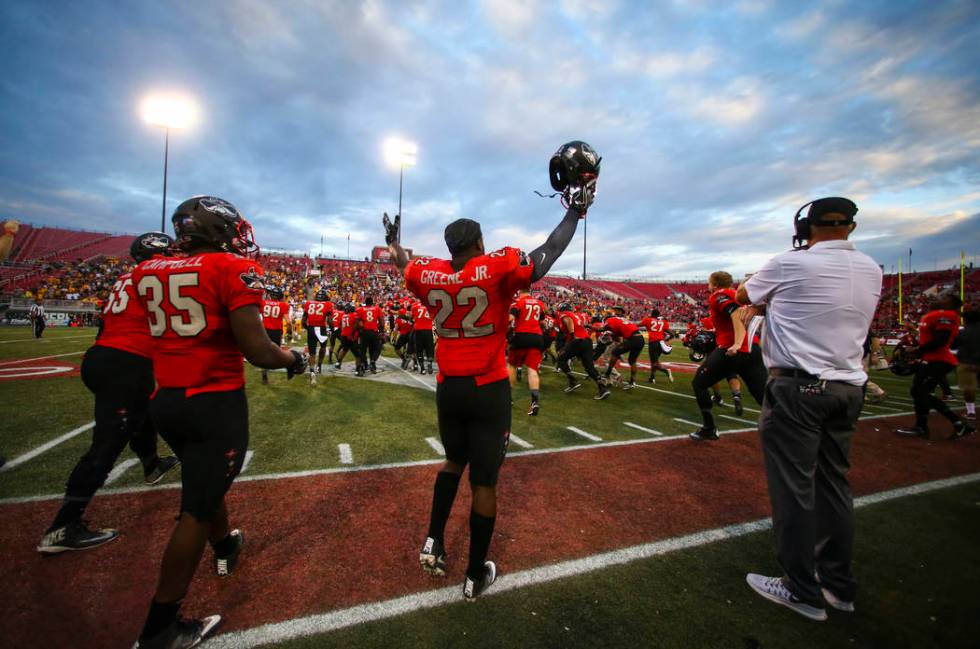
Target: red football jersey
{"x": 931, "y": 324}
{"x": 579, "y": 324}
{"x": 370, "y": 316}
{"x": 621, "y": 327}
{"x": 188, "y": 300}
{"x": 404, "y": 323}
{"x": 656, "y": 328}
{"x": 547, "y": 325}
{"x": 316, "y": 313}
{"x": 272, "y": 314}
{"x": 335, "y": 318}
{"x": 347, "y": 325}
{"x": 423, "y": 321}
{"x": 707, "y": 323}
{"x": 124, "y": 320}
{"x": 722, "y": 304}
{"x": 470, "y": 309}
{"x": 527, "y": 312}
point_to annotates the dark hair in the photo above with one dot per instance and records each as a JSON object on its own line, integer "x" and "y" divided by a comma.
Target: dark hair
{"x": 369, "y": 301}
{"x": 971, "y": 317}
{"x": 655, "y": 313}
{"x": 461, "y": 235}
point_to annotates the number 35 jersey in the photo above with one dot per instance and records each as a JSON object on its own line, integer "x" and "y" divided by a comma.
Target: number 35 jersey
{"x": 470, "y": 309}
{"x": 188, "y": 301}
{"x": 124, "y": 320}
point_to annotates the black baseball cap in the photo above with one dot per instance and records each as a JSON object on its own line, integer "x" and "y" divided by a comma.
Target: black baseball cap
{"x": 832, "y": 205}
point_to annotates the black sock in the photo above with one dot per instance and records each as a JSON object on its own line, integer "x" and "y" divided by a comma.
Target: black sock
{"x": 71, "y": 511}
{"x": 225, "y": 546}
{"x": 535, "y": 395}
{"x": 736, "y": 394}
{"x": 443, "y": 495}
{"x": 161, "y": 616}
{"x": 481, "y": 531}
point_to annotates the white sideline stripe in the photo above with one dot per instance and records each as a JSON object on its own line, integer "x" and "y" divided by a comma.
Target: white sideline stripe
{"x": 286, "y": 475}
{"x": 687, "y": 421}
{"x": 436, "y": 445}
{"x": 247, "y": 461}
{"x": 877, "y": 405}
{"x": 121, "y": 468}
{"x": 520, "y": 442}
{"x": 744, "y": 421}
{"x": 346, "y": 456}
{"x": 579, "y": 431}
{"x": 30, "y": 455}
{"x": 39, "y": 358}
{"x": 27, "y": 340}
{"x": 399, "y": 367}
{"x": 643, "y": 428}
{"x": 279, "y": 632}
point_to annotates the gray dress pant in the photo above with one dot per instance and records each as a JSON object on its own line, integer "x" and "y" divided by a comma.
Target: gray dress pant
{"x": 806, "y": 428}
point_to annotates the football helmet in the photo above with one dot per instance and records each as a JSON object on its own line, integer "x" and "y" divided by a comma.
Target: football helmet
{"x": 573, "y": 171}
{"x": 212, "y": 221}
{"x": 149, "y": 245}
{"x": 701, "y": 345}
{"x": 564, "y": 306}
{"x": 275, "y": 292}
{"x": 903, "y": 364}
{"x": 321, "y": 295}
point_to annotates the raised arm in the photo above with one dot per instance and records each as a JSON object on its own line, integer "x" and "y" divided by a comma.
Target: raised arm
{"x": 548, "y": 253}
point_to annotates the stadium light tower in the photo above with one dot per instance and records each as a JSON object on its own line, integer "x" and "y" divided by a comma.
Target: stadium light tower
{"x": 169, "y": 111}
{"x": 400, "y": 153}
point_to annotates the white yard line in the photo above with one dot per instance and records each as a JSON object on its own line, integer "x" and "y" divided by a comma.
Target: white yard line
{"x": 877, "y": 405}
{"x": 582, "y": 433}
{"x": 30, "y": 455}
{"x": 310, "y": 625}
{"x": 121, "y": 468}
{"x": 287, "y": 475}
{"x": 399, "y": 367}
{"x": 643, "y": 428}
{"x": 39, "y": 358}
{"x": 520, "y": 442}
{"x": 688, "y": 421}
{"x": 248, "y": 460}
{"x": 436, "y": 445}
{"x": 738, "y": 419}
{"x": 346, "y": 456}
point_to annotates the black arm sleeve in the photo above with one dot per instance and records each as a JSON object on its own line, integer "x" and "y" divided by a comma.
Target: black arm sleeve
{"x": 937, "y": 341}
{"x": 548, "y": 253}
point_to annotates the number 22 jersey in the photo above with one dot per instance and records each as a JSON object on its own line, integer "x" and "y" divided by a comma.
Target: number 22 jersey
{"x": 470, "y": 309}
{"x": 188, "y": 301}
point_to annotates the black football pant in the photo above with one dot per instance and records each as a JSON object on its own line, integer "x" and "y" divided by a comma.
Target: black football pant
{"x": 370, "y": 346}
{"x": 39, "y": 326}
{"x": 122, "y": 383}
{"x": 717, "y": 366}
{"x": 425, "y": 348}
{"x": 580, "y": 348}
{"x": 927, "y": 378}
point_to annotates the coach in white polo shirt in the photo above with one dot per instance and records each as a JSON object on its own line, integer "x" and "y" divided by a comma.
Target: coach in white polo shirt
{"x": 818, "y": 302}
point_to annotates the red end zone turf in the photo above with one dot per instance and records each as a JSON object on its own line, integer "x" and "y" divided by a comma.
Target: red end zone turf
{"x": 331, "y": 541}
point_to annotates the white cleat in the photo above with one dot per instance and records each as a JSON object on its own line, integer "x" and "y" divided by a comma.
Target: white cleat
{"x": 773, "y": 589}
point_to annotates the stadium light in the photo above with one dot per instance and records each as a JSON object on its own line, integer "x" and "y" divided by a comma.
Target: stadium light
{"x": 400, "y": 153}
{"x": 168, "y": 111}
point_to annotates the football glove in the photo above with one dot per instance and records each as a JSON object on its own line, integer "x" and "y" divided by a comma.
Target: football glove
{"x": 299, "y": 365}
{"x": 391, "y": 228}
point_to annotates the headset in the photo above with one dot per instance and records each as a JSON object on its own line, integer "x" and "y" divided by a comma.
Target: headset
{"x": 802, "y": 224}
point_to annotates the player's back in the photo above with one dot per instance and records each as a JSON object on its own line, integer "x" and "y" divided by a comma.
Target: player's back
{"x": 529, "y": 312}
{"x": 124, "y": 324}
{"x": 188, "y": 302}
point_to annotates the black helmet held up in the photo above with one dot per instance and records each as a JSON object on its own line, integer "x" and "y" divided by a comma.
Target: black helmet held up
{"x": 703, "y": 343}
{"x": 149, "y": 245}
{"x": 575, "y": 164}
{"x": 275, "y": 292}
{"x": 212, "y": 221}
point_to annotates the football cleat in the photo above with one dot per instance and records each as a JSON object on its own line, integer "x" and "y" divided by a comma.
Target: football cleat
{"x": 704, "y": 434}
{"x": 374, "y": 368}
{"x": 181, "y": 634}
{"x": 603, "y": 392}
{"x": 572, "y": 387}
{"x": 652, "y": 379}
{"x": 225, "y": 565}
{"x": 474, "y": 588}
{"x": 432, "y": 557}
{"x": 718, "y": 400}
{"x": 912, "y": 431}
{"x": 961, "y": 429}
{"x": 670, "y": 376}
{"x": 164, "y": 464}
{"x": 75, "y": 536}
{"x": 773, "y": 589}
{"x": 312, "y": 378}
{"x": 738, "y": 406}
{"x": 533, "y": 411}
{"x": 630, "y": 385}
{"x": 337, "y": 365}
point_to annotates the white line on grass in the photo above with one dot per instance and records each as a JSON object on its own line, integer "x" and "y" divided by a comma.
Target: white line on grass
{"x": 520, "y": 442}
{"x": 39, "y": 358}
{"x": 248, "y": 460}
{"x": 739, "y": 419}
{"x": 877, "y": 405}
{"x": 30, "y": 455}
{"x": 286, "y": 475}
{"x": 25, "y": 340}
{"x": 121, "y": 468}
{"x": 687, "y": 421}
{"x": 643, "y": 428}
{"x": 436, "y": 445}
{"x": 398, "y": 367}
{"x": 582, "y": 433}
{"x": 346, "y": 456}
{"x": 310, "y": 625}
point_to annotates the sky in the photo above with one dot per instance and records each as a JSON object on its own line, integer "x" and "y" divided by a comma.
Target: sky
{"x": 715, "y": 121}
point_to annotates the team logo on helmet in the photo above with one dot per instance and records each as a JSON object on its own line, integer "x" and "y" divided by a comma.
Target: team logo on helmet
{"x": 219, "y": 206}
{"x": 155, "y": 241}
{"x": 252, "y": 279}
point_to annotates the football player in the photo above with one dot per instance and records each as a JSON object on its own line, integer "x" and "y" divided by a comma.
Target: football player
{"x": 349, "y": 339}
{"x": 937, "y": 330}
{"x": 525, "y": 346}
{"x": 630, "y": 341}
{"x": 403, "y": 323}
{"x": 469, "y": 297}
{"x": 422, "y": 332}
{"x": 203, "y": 314}
{"x": 119, "y": 371}
{"x": 578, "y": 344}
{"x": 728, "y": 358}
{"x": 315, "y": 315}
{"x": 658, "y": 331}
{"x": 274, "y": 310}
{"x": 371, "y": 319}
{"x": 548, "y": 336}
{"x": 336, "y": 324}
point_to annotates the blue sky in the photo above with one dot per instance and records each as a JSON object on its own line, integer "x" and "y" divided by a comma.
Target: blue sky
{"x": 715, "y": 121}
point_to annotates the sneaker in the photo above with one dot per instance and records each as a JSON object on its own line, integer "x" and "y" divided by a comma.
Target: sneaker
{"x": 374, "y": 368}
{"x": 652, "y": 379}
{"x": 603, "y": 393}
{"x": 473, "y": 589}
{"x": 718, "y": 400}
{"x": 164, "y": 464}
{"x": 773, "y": 589}
{"x": 836, "y": 602}
{"x": 704, "y": 434}
{"x": 319, "y": 368}
{"x": 433, "y": 557}
{"x": 961, "y": 429}
{"x": 738, "y": 406}
{"x": 75, "y": 536}
{"x": 181, "y": 634}
{"x": 630, "y": 385}
{"x": 225, "y": 565}
{"x": 573, "y": 387}
{"x": 670, "y": 377}
{"x": 533, "y": 411}
{"x": 912, "y": 431}
{"x": 336, "y": 365}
